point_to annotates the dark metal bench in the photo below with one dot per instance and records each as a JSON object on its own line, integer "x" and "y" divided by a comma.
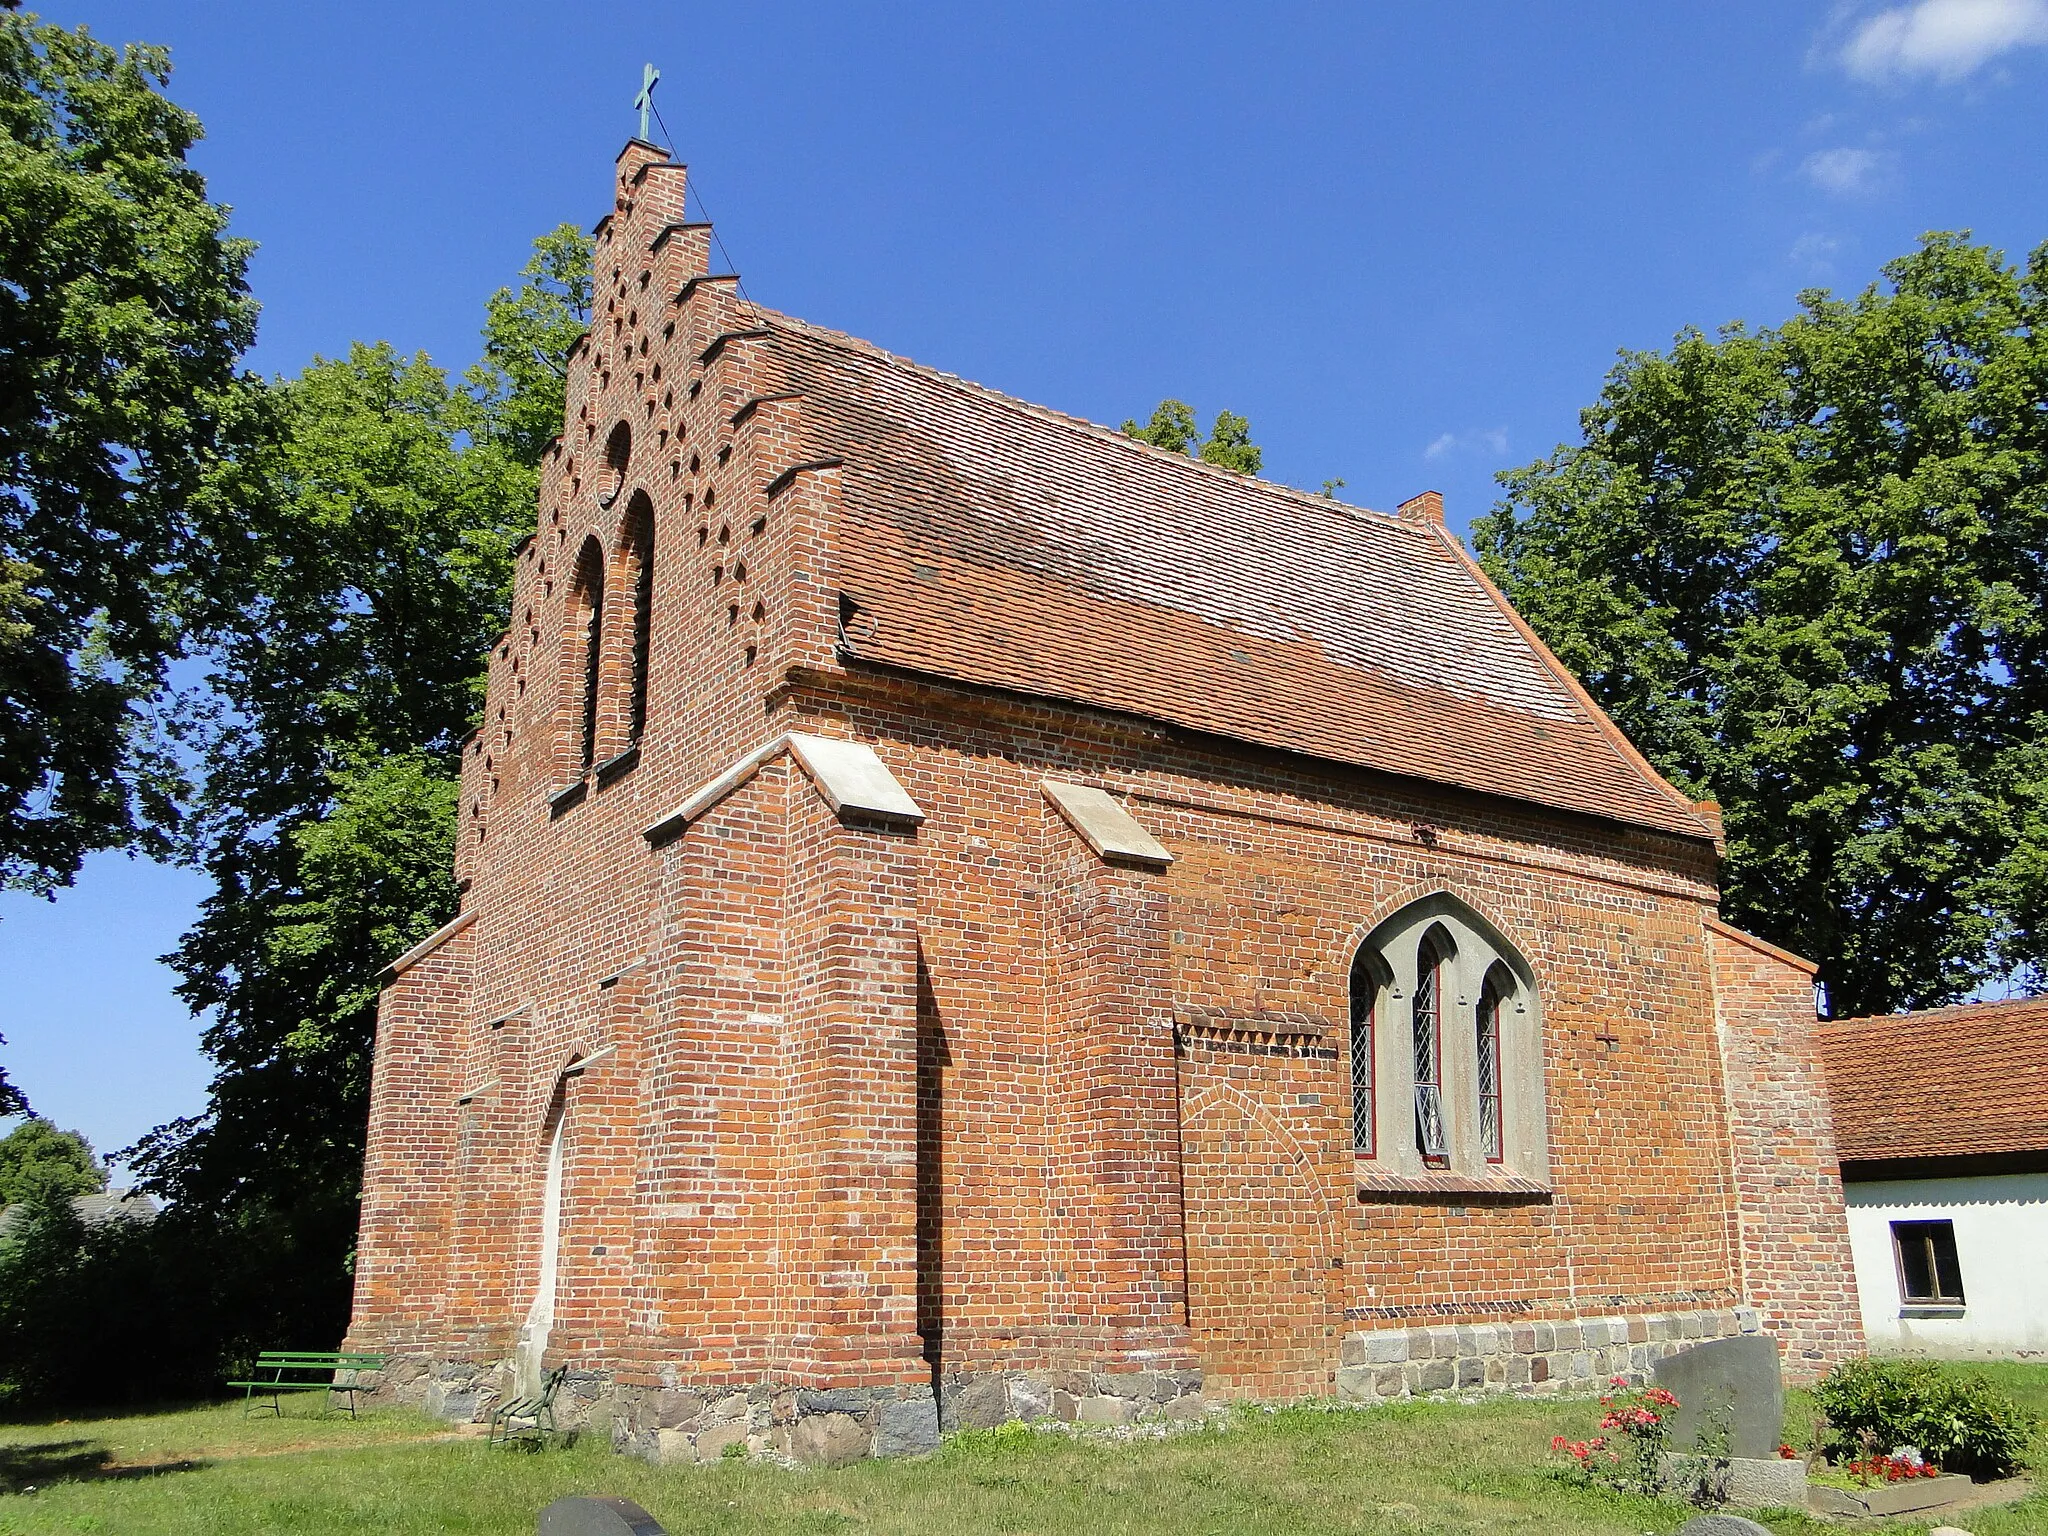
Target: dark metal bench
{"x": 527, "y": 1421}
{"x": 279, "y": 1371}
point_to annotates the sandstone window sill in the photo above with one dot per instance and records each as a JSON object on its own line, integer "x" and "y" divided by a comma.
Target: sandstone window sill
{"x": 1384, "y": 1187}
{"x": 1919, "y": 1311}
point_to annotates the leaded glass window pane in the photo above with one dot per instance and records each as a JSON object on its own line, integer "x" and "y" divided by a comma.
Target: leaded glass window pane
{"x": 1429, "y": 1121}
{"x": 1489, "y": 1073}
{"x": 1426, "y": 1016}
{"x": 1364, "y": 997}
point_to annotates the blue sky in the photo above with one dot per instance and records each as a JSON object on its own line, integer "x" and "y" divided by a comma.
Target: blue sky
{"x": 1405, "y": 241}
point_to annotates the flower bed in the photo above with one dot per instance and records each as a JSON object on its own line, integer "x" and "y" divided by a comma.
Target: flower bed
{"x": 1874, "y": 1471}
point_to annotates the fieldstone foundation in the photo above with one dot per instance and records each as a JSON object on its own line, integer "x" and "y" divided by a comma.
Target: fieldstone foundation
{"x": 1573, "y": 1356}
{"x": 681, "y": 1422}
{"x": 982, "y": 1401}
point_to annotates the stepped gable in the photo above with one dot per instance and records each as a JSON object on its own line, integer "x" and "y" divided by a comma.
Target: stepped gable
{"x": 993, "y": 542}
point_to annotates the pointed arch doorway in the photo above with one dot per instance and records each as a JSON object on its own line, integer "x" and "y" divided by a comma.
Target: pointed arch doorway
{"x": 540, "y": 1313}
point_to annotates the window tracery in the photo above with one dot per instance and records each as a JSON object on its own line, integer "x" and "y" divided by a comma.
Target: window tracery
{"x": 1446, "y": 1048}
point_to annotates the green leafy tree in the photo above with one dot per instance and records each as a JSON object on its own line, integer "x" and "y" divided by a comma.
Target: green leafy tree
{"x": 348, "y": 669}
{"x": 1805, "y": 569}
{"x": 123, "y": 311}
{"x": 12, "y": 1100}
{"x": 1172, "y": 427}
{"x": 1230, "y": 445}
{"x": 98, "y": 1311}
{"x": 37, "y": 1159}
{"x": 519, "y": 382}
{"x": 267, "y": 1178}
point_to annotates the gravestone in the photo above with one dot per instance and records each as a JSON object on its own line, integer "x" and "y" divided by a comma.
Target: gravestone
{"x": 598, "y": 1515}
{"x": 1735, "y": 1380}
{"x": 1722, "y": 1525}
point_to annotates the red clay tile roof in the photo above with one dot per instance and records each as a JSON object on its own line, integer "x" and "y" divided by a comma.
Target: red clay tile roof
{"x": 1966, "y": 1080}
{"x": 993, "y": 542}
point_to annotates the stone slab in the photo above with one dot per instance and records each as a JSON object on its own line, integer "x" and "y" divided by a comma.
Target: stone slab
{"x": 1738, "y": 1379}
{"x": 853, "y": 780}
{"x": 1102, "y": 1409}
{"x": 1766, "y": 1482}
{"x": 1746, "y": 1482}
{"x": 1891, "y": 1498}
{"x": 1104, "y": 825}
{"x": 828, "y": 1440}
{"x": 981, "y": 1403}
{"x": 598, "y": 1515}
{"x": 714, "y": 1442}
{"x": 1386, "y": 1349}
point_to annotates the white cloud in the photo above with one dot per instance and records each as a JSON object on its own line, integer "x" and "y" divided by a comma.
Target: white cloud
{"x": 1842, "y": 170}
{"x": 1944, "y": 38}
{"x": 1488, "y": 440}
{"x": 1815, "y": 253}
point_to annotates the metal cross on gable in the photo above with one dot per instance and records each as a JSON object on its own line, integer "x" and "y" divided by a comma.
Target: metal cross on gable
{"x": 650, "y": 77}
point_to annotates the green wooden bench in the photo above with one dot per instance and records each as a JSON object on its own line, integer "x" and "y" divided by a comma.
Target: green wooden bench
{"x": 279, "y": 1371}
{"x": 527, "y": 1420}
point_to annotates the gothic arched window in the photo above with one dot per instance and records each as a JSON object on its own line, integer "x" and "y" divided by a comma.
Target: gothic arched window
{"x": 1446, "y": 1048}
{"x": 618, "y": 453}
{"x": 1492, "y": 1136}
{"x": 1426, "y": 1019}
{"x": 1367, "y": 984}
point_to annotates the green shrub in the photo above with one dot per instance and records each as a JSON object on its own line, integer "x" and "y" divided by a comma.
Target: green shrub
{"x": 1957, "y": 1419}
{"x": 118, "y": 1311}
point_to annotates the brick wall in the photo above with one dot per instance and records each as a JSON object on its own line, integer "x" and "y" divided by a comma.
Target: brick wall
{"x": 1789, "y": 1210}
{"x": 412, "y": 1164}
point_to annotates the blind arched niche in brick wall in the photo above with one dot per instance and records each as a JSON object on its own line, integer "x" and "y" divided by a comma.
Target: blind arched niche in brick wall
{"x": 1449, "y": 1010}
{"x": 582, "y": 657}
{"x": 636, "y": 554}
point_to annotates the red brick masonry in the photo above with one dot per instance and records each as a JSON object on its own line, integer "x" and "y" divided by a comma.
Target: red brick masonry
{"x": 873, "y": 1120}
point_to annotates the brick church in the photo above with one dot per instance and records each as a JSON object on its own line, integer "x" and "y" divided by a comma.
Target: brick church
{"x": 968, "y": 916}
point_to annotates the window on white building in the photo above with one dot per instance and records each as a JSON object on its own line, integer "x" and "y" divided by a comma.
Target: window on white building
{"x": 1929, "y": 1275}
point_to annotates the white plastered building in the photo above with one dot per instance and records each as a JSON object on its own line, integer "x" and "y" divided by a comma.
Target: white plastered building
{"x": 1941, "y": 1121}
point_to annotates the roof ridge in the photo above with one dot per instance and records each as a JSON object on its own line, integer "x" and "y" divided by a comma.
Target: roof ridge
{"x": 1098, "y": 429}
{"x": 1946, "y": 1010}
{"x": 1599, "y": 717}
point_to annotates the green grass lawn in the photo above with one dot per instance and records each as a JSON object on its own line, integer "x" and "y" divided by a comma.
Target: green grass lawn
{"x": 1408, "y": 1468}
